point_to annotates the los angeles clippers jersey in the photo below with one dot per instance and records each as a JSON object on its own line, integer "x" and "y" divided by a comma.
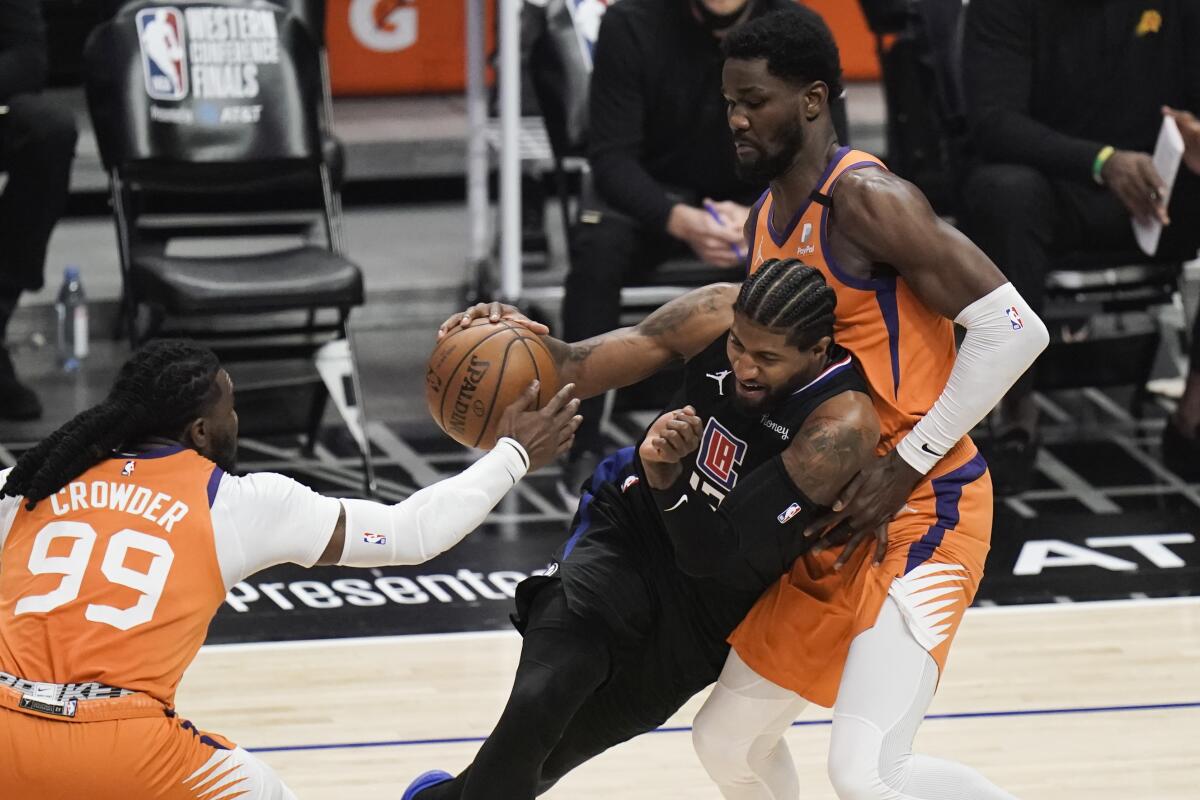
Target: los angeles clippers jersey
{"x": 619, "y": 563}
{"x": 906, "y": 349}
{"x": 113, "y": 579}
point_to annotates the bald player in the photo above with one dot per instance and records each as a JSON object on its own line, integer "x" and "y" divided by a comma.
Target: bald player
{"x": 870, "y": 640}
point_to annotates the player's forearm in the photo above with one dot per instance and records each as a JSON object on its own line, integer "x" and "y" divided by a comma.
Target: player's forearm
{"x": 435, "y": 518}
{"x": 750, "y": 540}
{"x": 704, "y": 543}
{"x": 1004, "y": 337}
{"x": 608, "y": 361}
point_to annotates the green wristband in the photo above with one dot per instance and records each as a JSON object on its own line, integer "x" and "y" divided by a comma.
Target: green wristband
{"x": 1098, "y": 165}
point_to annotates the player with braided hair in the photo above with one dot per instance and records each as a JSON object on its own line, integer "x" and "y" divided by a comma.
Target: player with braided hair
{"x": 672, "y": 543}
{"x": 156, "y": 394}
{"x": 120, "y": 534}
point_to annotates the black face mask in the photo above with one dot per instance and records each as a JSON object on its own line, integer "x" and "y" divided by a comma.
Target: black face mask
{"x": 715, "y": 23}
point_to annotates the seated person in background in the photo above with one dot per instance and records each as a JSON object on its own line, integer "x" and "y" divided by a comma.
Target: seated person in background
{"x": 661, "y": 155}
{"x": 1065, "y": 99}
{"x": 37, "y": 144}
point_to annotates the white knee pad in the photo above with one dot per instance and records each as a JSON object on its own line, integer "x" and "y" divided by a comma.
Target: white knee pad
{"x": 854, "y": 756}
{"x": 723, "y": 758}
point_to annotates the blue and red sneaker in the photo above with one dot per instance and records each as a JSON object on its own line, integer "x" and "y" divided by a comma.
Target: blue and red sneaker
{"x": 423, "y": 781}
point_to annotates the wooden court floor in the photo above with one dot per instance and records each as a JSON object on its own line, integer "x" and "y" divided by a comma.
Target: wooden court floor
{"x": 1096, "y": 701}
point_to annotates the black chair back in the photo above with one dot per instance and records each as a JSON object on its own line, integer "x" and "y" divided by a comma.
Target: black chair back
{"x": 560, "y": 66}
{"x": 204, "y": 92}
{"x": 309, "y": 12}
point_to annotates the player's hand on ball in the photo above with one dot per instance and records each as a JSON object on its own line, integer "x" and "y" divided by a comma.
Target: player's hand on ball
{"x": 673, "y": 437}
{"x": 545, "y": 433}
{"x": 493, "y": 312}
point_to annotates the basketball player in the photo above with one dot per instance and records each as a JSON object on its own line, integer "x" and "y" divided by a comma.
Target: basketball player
{"x": 666, "y": 555}
{"x": 872, "y": 642}
{"x": 120, "y": 534}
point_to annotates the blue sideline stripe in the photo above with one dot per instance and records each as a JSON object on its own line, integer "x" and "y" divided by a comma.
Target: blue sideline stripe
{"x": 1032, "y": 712}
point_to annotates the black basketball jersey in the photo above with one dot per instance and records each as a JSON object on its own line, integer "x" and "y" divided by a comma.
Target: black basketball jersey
{"x": 734, "y": 442}
{"x": 619, "y": 563}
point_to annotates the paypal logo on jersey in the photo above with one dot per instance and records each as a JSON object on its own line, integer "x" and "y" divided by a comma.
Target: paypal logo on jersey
{"x": 164, "y": 55}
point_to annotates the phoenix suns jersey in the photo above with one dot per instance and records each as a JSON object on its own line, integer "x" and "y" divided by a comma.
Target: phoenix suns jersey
{"x": 904, "y": 348}
{"x": 113, "y": 579}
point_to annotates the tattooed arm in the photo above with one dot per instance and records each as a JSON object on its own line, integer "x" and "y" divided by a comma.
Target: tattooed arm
{"x": 757, "y": 531}
{"x": 675, "y": 332}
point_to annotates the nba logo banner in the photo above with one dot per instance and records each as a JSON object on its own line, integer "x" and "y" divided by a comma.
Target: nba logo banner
{"x": 164, "y": 53}
{"x": 374, "y": 538}
{"x": 788, "y": 513}
{"x": 720, "y": 454}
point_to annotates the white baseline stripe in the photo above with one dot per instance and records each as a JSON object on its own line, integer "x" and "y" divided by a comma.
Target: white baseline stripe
{"x": 1140, "y": 602}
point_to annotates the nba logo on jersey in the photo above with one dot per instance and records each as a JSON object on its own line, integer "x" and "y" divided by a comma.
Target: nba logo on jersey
{"x": 1014, "y": 318}
{"x": 629, "y": 483}
{"x": 788, "y": 513}
{"x": 127, "y": 470}
{"x": 374, "y": 538}
{"x": 164, "y": 58}
{"x": 720, "y": 452}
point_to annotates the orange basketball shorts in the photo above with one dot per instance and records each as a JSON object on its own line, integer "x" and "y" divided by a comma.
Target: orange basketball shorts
{"x": 43, "y": 758}
{"x": 799, "y": 633}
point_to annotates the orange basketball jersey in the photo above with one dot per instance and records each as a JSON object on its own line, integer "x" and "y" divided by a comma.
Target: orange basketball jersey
{"x": 905, "y": 349}
{"x": 114, "y": 578}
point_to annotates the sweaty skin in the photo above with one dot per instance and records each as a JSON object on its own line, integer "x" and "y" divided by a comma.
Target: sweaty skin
{"x": 877, "y": 219}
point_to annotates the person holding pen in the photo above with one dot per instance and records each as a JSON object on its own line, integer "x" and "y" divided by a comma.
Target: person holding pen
{"x": 662, "y": 160}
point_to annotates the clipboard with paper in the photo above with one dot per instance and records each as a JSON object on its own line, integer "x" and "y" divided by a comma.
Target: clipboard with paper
{"x": 1168, "y": 153}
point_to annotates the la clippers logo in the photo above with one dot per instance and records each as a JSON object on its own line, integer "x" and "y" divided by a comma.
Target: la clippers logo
{"x": 720, "y": 454}
{"x": 1014, "y": 318}
{"x": 164, "y": 58}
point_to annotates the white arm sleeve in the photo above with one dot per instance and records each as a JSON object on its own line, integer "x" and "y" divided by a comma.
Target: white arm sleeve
{"x": 263, "y": 519}
{"x": 1003, "y": 338}
{"x": 434, "y": 519}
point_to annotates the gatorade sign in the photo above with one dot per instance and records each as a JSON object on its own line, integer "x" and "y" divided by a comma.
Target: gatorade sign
{"x": 399, "y": 46}
{"x": 385, "y": 26}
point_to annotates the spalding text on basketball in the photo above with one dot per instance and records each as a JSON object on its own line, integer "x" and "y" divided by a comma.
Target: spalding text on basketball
{"x": 475, "y": 373}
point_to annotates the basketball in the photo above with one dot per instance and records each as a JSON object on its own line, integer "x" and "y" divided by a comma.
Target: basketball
{"x": 475, "y": 373}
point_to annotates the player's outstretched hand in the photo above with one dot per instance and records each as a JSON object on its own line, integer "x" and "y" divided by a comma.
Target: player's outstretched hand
{"x": 672, "y": 437}
{"x": 545, "y": 433}
{"x": 493, "y": 312}
{"x": 865, "y": 507}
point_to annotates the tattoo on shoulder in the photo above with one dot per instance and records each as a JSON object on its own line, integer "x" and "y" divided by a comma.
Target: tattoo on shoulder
{"x": 826, "y": 453}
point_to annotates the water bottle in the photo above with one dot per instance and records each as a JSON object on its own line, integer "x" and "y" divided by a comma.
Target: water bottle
{"x": 71, "y": 308}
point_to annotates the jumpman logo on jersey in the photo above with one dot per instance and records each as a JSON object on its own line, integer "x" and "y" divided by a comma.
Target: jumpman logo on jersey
{"x": 719, "y": 377}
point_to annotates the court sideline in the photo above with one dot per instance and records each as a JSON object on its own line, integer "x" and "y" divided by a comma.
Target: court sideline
{"x": 1055, "y": 702}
